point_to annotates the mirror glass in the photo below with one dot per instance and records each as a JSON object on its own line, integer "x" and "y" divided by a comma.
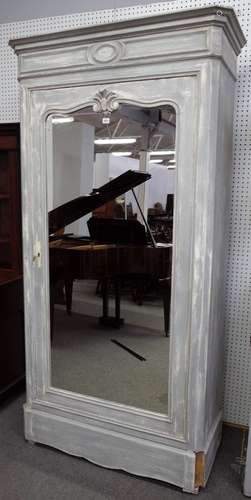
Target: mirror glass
{"x": 111, "y": 201}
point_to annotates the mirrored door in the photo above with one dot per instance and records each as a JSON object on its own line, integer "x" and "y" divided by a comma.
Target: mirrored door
{"x": 110, "y": 246}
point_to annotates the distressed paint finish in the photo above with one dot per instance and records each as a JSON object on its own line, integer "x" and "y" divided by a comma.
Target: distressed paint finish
{"x": 193, "y": 77}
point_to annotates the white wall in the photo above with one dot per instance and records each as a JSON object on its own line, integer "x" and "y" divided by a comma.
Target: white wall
{"x": 67, "y": 161}
{"x": 101, "y": 169}
{"x": 162, "y": 183}
{"x": 86, "y": 170}
{"x": 73, "y": 166}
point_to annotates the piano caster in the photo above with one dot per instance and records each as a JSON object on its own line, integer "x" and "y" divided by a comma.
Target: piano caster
{"x": 110, "y": 321}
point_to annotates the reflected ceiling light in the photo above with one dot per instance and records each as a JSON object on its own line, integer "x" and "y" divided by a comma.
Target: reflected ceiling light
{"x": 121, "y": 153}
{"x": 172, "y": 167}
{"x": 115, "y": 140}
{"x": 155, "y": 161}
{"x": 172, "y": 161}
{"x": 165, "y": 152}
{"x": 62, "y": 119}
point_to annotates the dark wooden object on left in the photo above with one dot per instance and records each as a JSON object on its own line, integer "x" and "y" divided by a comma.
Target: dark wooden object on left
{"x": 12, "y": 365}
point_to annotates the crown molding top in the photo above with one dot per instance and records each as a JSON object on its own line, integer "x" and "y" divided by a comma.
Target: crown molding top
{"x": 175, "y": 21}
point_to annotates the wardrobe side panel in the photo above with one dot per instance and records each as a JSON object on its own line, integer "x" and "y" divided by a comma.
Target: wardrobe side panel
{"x": 222, "y": 180}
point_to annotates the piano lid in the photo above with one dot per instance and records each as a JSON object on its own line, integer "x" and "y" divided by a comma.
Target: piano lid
{"x": 75, "y": 209}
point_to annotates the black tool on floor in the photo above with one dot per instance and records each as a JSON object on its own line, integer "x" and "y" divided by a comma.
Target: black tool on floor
{"x": 133, "y": 353}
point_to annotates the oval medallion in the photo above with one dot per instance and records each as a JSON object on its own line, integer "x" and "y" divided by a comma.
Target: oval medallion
{"x": 103, "y": 53}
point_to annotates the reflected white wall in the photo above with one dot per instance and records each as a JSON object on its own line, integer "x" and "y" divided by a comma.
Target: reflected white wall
{"x": 162, "y": 183}
{"x": 73, "y": 154}
{"x": 101, "y": 169}
{"x": 86, "y": 169}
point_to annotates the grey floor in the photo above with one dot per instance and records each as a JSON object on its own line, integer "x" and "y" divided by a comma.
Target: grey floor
{"x": 84, "y": 360}
{"x": 35, "y": 472}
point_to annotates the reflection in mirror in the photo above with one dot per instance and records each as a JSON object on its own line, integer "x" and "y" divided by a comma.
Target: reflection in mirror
{"x": 111, "y": 237}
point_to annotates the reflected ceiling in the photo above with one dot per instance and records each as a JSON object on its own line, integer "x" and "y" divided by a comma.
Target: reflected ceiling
{"x": 153, "y": 128}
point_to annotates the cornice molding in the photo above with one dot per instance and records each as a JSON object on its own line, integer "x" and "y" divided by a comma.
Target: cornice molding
{"x": 195, "y": 18}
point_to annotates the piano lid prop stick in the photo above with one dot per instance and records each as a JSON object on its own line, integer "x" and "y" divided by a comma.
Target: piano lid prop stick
{"x": 144, "y": 219}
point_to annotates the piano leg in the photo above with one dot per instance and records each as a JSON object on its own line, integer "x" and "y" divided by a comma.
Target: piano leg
{"x": 52, "y": 304}
{"x": 117, "y": 300}
{"x": 106, "y": 320}
{"x": 105, "y": 298}
{"x": 165, "y": 287}
{"x": 68, "y": 294}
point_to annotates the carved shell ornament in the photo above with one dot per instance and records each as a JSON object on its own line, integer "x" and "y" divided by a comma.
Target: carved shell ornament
{"x": 105, "y": 101}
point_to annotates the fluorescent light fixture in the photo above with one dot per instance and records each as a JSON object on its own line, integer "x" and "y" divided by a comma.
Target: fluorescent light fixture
{"x": 165, "y": 152}
{"x": 115, "y": 140}
{"x": 121, "y": 153}
{"x": 155, "y": 161}
{"x": 172, "y": 161}
{"x": 62, "y": 119}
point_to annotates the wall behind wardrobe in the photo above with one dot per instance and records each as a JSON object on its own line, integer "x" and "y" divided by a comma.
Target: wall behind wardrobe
{"x": 238, "y": 266}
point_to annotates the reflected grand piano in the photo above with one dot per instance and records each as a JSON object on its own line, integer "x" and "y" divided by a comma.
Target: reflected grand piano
{"x": 116, "y": 248}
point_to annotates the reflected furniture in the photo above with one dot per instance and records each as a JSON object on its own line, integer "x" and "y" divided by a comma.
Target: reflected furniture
{"x": 12, "y": 365}
{"x": 186, "y": 60}
{"x": 12, "y": 368}
{"x": 117, "y": 249}
{"x": 10, "y": 207}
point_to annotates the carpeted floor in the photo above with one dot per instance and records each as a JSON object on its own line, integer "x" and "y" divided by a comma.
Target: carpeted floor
{"x": 35, "y": 472}
{"x": 84, "y": 360}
